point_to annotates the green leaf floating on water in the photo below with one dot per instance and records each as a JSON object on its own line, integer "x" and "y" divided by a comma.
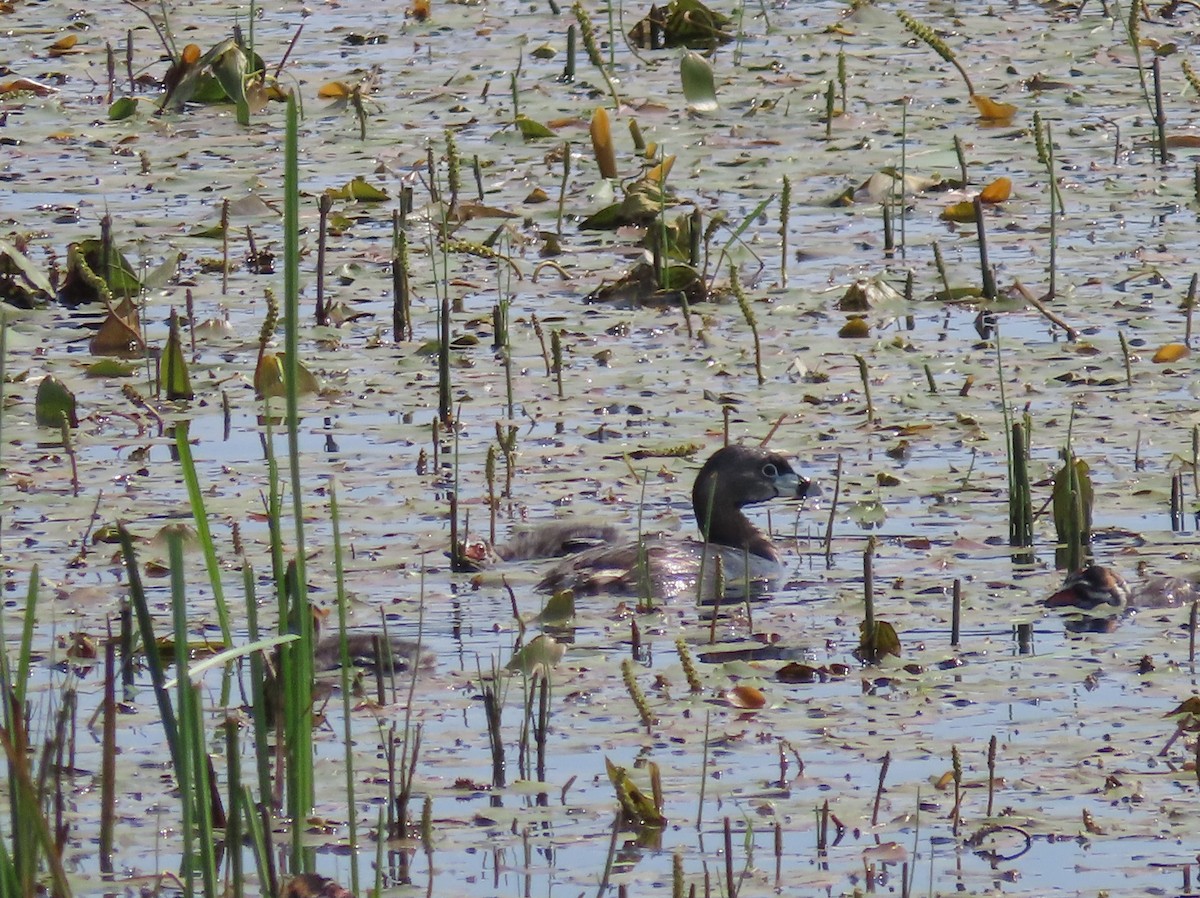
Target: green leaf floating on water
{"x": 53, "y": 402}
{"x": 560, "y": 608}
{"x": 111, "y": 368}
{"x": 698, "y": 88}
{"x": 358, "y": 189}
{"x": 122, "y": 108}
{"x": 531, "y": 130}
{"x": 542, "y": 652}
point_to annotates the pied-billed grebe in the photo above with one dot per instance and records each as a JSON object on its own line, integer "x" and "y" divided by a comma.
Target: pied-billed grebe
{"x": 732, "y": 478}
{"x": 1102, "y": 590}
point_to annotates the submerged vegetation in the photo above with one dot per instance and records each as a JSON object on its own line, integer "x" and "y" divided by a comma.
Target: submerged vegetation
{"x": 286, "y": 320}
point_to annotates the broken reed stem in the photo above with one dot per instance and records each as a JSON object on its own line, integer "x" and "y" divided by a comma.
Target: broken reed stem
{"x": 1189, "y": 303}
{"x": 556, "y": 353}
{"x": 1192, "y": 621}
{"x": 1020, "y": 501}
{"x": 1177, "y": 516}
{"x": 445, "y": 399}
{"x": 730, "y": 885}
{"x": 956, "y": 765}
{"x": 962, "y": 161}
{"x": 883, "y": 769}
{"x": 940, "y": 264}
{"x": 1125, "y": 356}
{"x": 489, "y": 474}
{"x": 562, "y": 187}
{"x": 491, "y": 707}
{"x": 1196, "y": 459}
{"x": 829, "y": 105}
{"x": 785, "y": 211}
{"x": 987, "y": 276}
{"x": 866, "y": 382}
{"x": 889, "y": 237}
{"x": 324, "y": 205}
{"x": 841, "y": 76}
{"x": 747, "y": 313}
{"x": 837, "y": 491}
{"x": 1160, "y": 114}
{"x": 956, "y": 614}
{"x": 401, "y": 319}
{"x": 991, "y": 763}
{"x": 703, "y": 769}
{"x": 1055, "y": 319}
{"x": 225, "y": 247}
{"x": 108, "y": 755}
{"x": 541, "y": 335}
{"x": 869, "y": 593}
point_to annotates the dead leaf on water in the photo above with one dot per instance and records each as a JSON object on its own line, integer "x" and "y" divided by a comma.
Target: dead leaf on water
{"x": 1171, "y": 352}
{"x": 747, "y": 697}
{"x": 992, "y": 111}
{"x": 65, "y": 46}
{"x": 996, "y": 192}
{"x": 963, "y": 212}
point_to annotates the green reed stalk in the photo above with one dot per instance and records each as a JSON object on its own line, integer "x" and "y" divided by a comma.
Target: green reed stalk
{"x": 187, "y": 466}
{"x": 347, "y": 702}
{"x": 300, "y": 669}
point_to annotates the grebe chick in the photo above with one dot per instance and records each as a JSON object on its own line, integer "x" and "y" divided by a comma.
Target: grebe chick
{"x": 1103, "y": 590}
{"x": 732, "y": 478}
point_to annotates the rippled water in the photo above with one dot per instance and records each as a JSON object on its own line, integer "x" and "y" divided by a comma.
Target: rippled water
{"x": 1079, "y": 728}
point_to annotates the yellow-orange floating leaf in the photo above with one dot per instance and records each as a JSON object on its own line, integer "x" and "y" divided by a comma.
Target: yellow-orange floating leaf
{"x": 996, "y": 192}
{"x": 659, "y": 173}
{"x": 602, "y": 143}
{"x": 1183, "y": 141}
{"x": 420, "y": 10}
{"x": 64, "y": 45}
{"x": 963, "y": 212}
{"x": 1172, "y": 352}
{"x": 334, "y": 90}
{"x": 746, "y": 697}
{"x": 855, "y": 329}
{"x": 991, "y": 111}
{"x": 17, "y": 85}
{"x": 191, "y": 54}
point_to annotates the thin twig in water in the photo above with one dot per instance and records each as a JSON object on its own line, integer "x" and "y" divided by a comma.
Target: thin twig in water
{"x": 1053, "y": 318}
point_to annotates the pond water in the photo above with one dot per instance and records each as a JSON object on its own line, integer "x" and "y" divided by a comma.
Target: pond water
{"x": 1080, "y": 719}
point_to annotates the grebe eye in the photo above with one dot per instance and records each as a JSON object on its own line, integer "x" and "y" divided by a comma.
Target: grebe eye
{"x": 769, "y": 471}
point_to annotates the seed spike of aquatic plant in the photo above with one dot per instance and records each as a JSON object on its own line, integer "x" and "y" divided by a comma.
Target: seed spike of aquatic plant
{"x": 931, "y": 39}
{"x": 688, "y": 662}
{"x": 453, "y": 168}
{"x": 588, "y": 32}
{"x": 735, "y": 285}
{"x": 636, "y": 694}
